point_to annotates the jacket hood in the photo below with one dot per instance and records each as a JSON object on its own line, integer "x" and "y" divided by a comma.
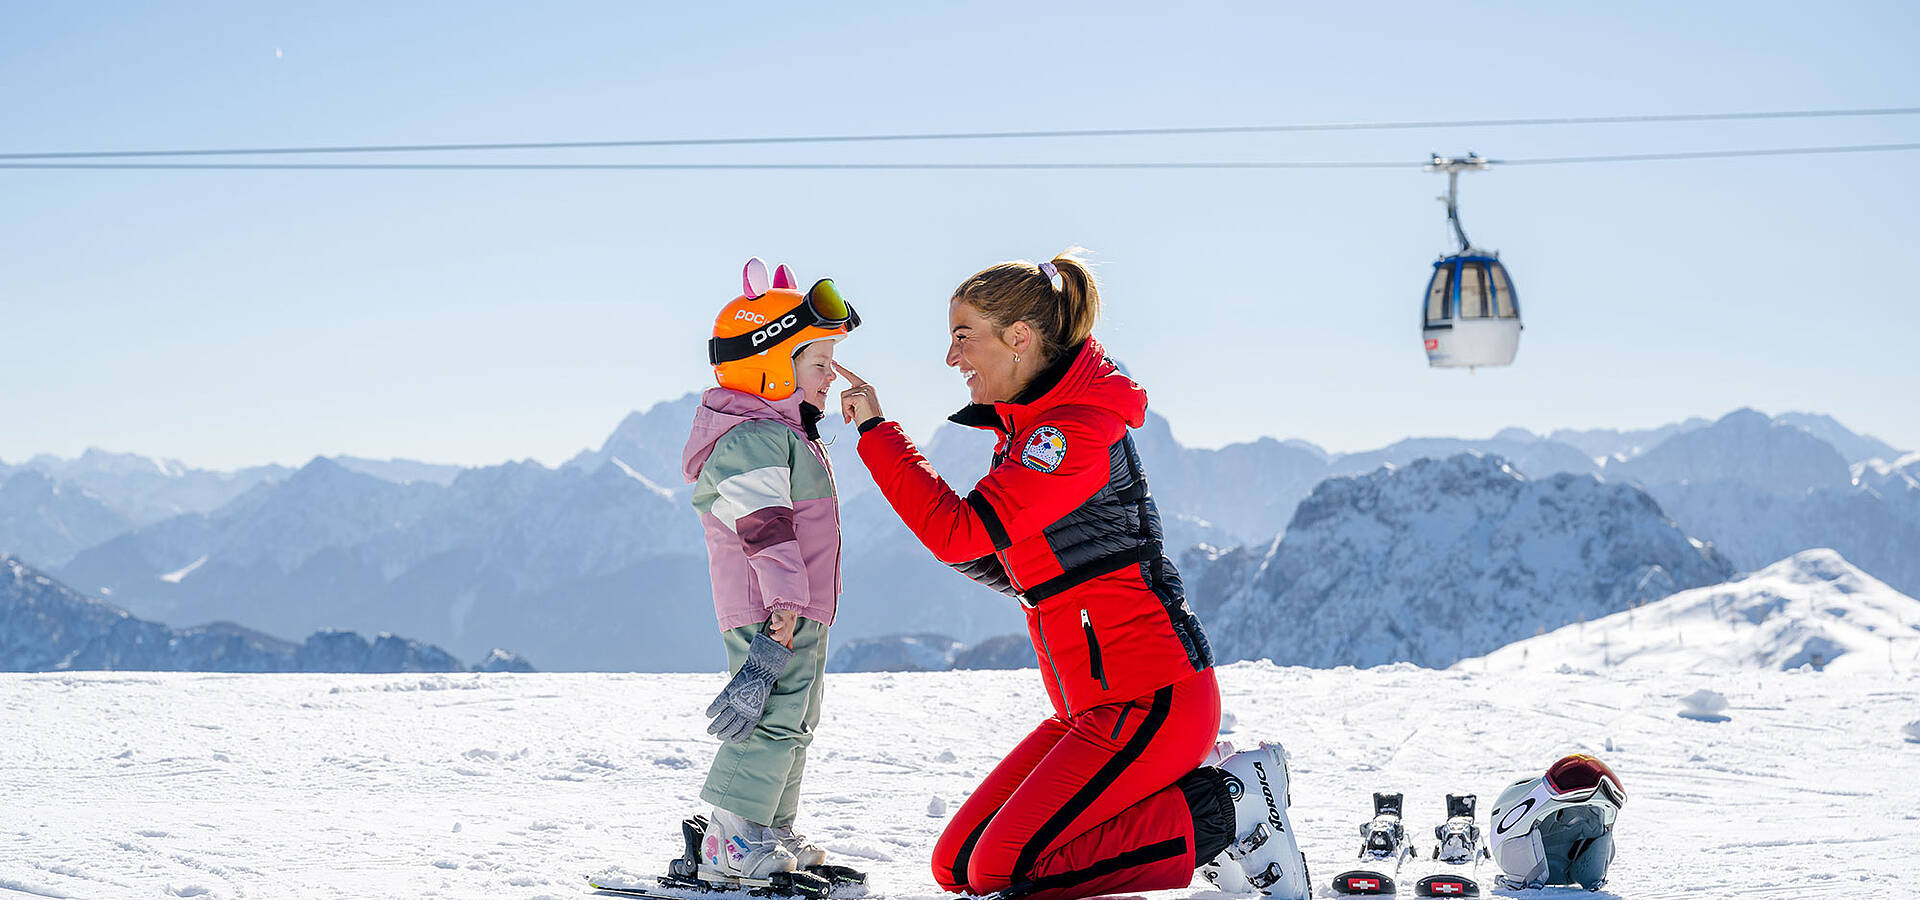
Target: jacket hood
{"x": 1082, "y": 377}
{"x": 723, "y": 408}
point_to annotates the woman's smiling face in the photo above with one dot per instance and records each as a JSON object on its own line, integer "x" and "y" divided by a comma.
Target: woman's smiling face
{"x": 984, "y": 359}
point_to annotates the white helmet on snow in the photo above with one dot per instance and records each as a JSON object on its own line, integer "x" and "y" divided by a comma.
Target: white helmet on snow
{"x": 1558, "y": 828}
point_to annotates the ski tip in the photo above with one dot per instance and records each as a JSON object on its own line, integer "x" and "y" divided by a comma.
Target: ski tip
{"x": 1445, "y": 885}
{"x": 1362, "y": 882}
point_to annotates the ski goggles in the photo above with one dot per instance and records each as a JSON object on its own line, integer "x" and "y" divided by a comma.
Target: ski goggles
{"x": 1578, "y": 777}
{"x": 823, "y": 307}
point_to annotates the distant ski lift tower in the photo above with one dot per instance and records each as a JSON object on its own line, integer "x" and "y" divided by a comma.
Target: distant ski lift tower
{"x": 1471, "y": 316}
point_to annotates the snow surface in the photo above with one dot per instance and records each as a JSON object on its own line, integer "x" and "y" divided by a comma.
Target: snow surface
{"x": 516, "y": 786}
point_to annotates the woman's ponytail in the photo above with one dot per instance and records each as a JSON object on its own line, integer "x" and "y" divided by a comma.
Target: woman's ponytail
{"x": 1079, "y": 298}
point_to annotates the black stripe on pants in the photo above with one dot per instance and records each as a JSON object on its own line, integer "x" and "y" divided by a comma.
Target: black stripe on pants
{"x": 1138, "y": 856}
{"x": 1083, "y": 798}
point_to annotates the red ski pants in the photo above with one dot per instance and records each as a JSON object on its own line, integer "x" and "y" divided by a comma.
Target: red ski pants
{"x": 1087, "y": 805}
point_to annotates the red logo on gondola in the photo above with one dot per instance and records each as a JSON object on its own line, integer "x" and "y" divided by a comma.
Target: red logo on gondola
{"x": 1433, "y": 343}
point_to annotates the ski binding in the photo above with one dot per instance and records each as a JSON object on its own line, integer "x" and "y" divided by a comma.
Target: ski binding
{"x": 683, "y": 880}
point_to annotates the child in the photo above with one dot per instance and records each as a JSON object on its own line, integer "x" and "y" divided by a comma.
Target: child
{"x": 764, "y": 491}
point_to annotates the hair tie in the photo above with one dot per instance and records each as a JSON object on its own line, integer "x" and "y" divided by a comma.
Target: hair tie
{"x": 1053, "y": 274}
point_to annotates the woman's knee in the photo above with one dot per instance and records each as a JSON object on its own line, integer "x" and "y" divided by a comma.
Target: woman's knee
{"x": 990, "y": 866}
{"x": 951, "y": 852}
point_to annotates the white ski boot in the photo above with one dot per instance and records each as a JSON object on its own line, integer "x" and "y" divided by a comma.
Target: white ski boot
{"x": 1264, "y": 849}
{"x": 806, "y": 854}
{"x": 1222, "y": 871}
{"x": 1225, "y": 873}
{"x": 813, "y": 861}
{"x": 734, "y": 851}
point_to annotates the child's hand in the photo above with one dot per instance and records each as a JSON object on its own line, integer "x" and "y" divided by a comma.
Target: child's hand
{"x": 859, "y": 402}
{"x": 780, "y": 626}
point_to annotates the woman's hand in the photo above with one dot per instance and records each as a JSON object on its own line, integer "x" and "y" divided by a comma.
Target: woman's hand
{"x": 858, "y": 402}
{"x": 780, "y": 626}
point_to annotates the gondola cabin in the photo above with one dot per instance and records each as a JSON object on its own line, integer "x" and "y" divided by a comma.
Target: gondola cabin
{"x": 1471, "y": 316}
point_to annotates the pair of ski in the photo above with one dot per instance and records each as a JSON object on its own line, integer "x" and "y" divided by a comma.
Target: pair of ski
{"x": 1385, "y": 838}
{"x": 683, "y": 880}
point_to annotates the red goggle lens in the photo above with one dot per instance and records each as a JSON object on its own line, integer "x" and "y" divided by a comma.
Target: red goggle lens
{"x": 1580, "y": 772}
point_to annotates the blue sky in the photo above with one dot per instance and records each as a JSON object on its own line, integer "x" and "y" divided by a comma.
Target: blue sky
{"x": 228, "y": 318}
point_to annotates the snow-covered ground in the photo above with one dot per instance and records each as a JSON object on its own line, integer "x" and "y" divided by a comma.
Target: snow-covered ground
{"x": 515, "y": 786}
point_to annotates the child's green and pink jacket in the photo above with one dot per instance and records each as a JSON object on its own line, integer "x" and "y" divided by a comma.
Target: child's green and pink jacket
{"x": 765, "y": 494}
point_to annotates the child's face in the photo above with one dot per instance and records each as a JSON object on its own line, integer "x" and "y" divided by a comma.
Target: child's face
{"x": 813, "y": 371}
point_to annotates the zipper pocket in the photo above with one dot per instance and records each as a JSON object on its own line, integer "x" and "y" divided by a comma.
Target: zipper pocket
{"x": 1124, "y": 711}
{"x": 1093, "y": 650}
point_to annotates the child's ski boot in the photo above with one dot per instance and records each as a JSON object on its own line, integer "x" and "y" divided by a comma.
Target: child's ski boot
{"x": 808, "y": 857}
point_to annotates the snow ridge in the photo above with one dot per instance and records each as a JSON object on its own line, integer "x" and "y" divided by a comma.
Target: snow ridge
{"x": 1812, "y": 609}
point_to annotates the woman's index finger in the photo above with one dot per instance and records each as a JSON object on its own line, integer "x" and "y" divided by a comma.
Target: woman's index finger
{"x": 857, "y": 380}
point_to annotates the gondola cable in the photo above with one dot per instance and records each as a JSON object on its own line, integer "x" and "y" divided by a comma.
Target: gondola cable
{"x": 1305, "y": 127}
{"x": 966, "y": 166}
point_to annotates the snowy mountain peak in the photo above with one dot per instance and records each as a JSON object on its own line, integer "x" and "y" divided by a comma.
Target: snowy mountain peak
{"x": 105, "y": 461}
{"x": 1743, "y": 446}
{"x": 401, "y": 471}
{"x": 48, "y": 521}
{"x": 648, "y": 441}
{"x": 1811, "y": 609}
{"x": 1902, "y": 474}
{"x": 31, "y": 484}
{"x": 1855, "y": 447}
{"x": 1484, "y": 483}
{"x": 319, "y": 467}
{"x": 1441, "y": 559}
{"x": 1745, "y": 418}
{"x": 326, "y": 480}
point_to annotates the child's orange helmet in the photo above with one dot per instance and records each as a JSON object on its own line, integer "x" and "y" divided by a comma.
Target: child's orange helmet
{"x": 757, "y": 334}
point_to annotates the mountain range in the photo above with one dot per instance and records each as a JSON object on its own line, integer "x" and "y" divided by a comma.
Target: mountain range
{"x": 1445, "y": 559}
{"x": 46, "y": 626}
{"x": 597, "y": 564}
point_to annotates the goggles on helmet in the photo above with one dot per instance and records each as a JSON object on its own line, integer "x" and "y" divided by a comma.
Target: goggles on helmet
{"x": 823, "y": 307}
{"x": 1579, "y": 776}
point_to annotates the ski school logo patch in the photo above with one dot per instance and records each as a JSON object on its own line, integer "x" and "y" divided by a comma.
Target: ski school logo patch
{"x": 1046, "y": 449}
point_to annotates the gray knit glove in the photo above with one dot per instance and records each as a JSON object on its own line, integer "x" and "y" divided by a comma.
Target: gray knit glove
{"x": 744, "y": 700}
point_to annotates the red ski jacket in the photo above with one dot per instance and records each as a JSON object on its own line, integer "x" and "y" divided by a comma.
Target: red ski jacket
{"x": 1064, "y": 523}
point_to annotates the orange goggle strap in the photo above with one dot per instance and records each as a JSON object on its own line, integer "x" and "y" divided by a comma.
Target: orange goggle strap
{"x": 821, "y": 299}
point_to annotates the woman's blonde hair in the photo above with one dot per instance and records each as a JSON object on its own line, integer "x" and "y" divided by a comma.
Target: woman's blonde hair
{"x": 1021, "y": 291}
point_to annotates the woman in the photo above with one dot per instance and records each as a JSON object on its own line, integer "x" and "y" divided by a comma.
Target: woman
{"x": 1107, "y": 795}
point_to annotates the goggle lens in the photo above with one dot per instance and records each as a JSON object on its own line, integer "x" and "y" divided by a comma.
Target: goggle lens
{"x": 1580, "y": 772}
{"x": 827, "y": 304}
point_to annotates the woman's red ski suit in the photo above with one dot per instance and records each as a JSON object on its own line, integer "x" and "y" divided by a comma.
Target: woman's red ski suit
{"x": 1094, "y": 800}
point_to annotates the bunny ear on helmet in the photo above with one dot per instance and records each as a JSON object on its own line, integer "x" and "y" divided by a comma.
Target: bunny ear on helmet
{"x": 753, "y": 279}
{"x": 783, "y": 279}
